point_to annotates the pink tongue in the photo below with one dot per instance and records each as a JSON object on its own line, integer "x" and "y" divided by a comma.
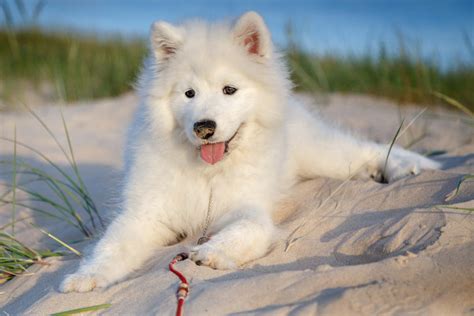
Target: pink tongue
{"x": 212, "y": 153}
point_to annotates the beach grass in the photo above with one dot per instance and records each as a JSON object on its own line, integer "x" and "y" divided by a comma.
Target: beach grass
{"x": 71, "y": 66}
{"x": 66, "y": 193}
{"x": 403, "y": 77}
{"x": 67, "y": 66}
{"x": 16, "y": 257}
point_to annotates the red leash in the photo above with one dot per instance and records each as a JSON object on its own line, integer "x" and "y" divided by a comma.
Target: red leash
{"x": 183, "y": 289}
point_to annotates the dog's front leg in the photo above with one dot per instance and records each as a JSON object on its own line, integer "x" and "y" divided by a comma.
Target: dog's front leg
{"x": 243, "y": 235}
{"x": 127, "y": 243}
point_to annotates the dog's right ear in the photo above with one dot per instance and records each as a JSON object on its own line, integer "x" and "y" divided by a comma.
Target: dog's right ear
{"x": 251, "y": 32}
{"x": 165, "y": 39}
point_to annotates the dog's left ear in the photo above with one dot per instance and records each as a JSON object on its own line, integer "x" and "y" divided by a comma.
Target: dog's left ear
{"x": 251, "y": 32}
{"x": 165, "y": 40}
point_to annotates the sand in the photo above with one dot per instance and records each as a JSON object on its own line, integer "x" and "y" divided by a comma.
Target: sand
{"x": 344, "y": 248}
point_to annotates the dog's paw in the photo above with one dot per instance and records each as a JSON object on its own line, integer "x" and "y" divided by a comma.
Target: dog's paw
{"x": 79, "y": 282}
{"x": 208, "y": 255}
{"x": 402, "y": 163}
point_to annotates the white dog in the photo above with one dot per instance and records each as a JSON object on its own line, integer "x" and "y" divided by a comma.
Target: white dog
{"x": 217, "y": 140}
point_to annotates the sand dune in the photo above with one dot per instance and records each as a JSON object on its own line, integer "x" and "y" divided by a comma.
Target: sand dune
{"x": 343, "y": 248}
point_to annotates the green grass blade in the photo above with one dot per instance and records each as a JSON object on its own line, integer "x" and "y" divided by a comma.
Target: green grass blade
{"x": 62, "y": 192}
{"x": 47, "y": 177}
{"x": 48, "y": 130}
{"x": 84, "y": 195}
{"x": 19, "y": 244}
{"x": 14, "y": 183}
{"x": 451, "y": 195}
{"x": 76, "y": 171}
{"x": 56, "y": 239}
{"x": 453, "y": 103}
{"x": 469, "y": 209}
{"x": 68, "y": 209}
{"x": 82, "y": 310}
{"x": 54, "y": 184}
{"x": 391, "y": 146}
{"x": 70, "y": 158}
{"x": 47, "y": 213}
{"x": 71, "y": 151}
{"x": 17, "y": 221}
{"x": 49, "y": 161}
{"x": 35, "y": 196}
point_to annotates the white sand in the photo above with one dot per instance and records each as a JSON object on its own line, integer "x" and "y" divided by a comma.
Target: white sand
{"x": 367, "y": 248}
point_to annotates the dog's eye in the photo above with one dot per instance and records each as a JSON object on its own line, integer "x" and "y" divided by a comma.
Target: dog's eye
{"x": 229, "y": 90}
{"x": 190, "y": 93}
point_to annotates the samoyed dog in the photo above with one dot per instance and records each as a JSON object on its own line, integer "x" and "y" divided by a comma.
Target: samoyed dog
{"x": 217, "y": 140}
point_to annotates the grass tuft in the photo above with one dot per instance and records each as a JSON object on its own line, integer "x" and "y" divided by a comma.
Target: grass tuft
{"x": 67, "y": 192}
{"x": 67, "y": 65}
{"x": 16, "y": 257}
{"x": 403, "y": 77}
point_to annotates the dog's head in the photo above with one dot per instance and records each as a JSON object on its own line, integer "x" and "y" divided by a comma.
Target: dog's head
{"x": 210, "y": 81}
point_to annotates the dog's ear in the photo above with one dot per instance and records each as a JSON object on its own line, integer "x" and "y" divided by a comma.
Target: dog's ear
{"x": 165, "y": 39}
{"x": 251, "y": 32}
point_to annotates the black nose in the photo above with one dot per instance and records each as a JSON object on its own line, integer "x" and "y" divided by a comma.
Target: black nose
{"x": 205, "y": 128}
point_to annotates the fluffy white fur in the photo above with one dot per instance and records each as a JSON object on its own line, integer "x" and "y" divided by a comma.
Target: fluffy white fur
{"x": 278, "y": 143}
